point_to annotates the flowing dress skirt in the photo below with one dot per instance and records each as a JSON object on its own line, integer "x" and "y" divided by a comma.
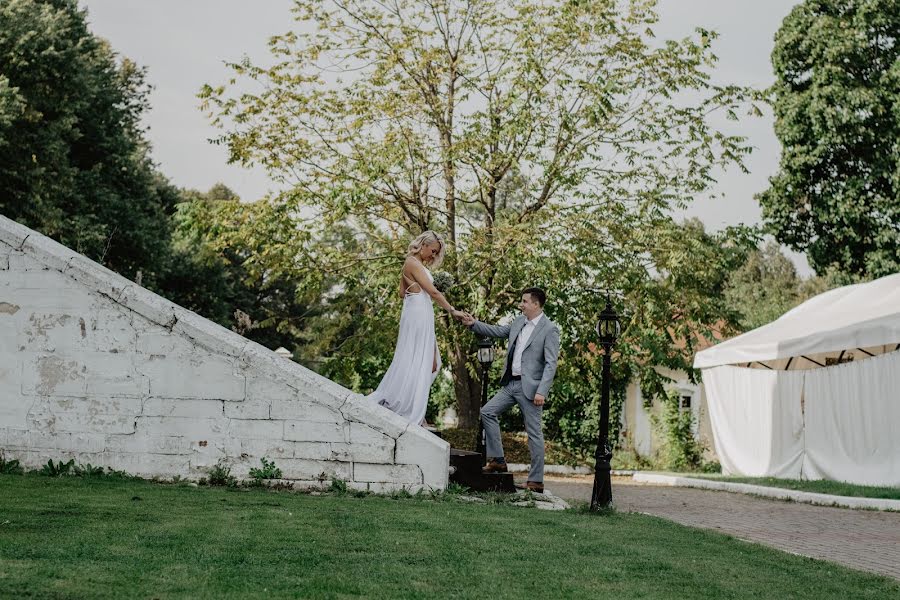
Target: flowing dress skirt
{"x": 405, "y": 387}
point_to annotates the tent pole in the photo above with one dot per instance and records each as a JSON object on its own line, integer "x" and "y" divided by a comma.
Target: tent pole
{"x": 812, "y": 361}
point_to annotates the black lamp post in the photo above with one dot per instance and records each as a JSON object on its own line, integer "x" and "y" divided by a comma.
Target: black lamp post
{"x": 608, "y": 329}
{"x": 485, "y": 357}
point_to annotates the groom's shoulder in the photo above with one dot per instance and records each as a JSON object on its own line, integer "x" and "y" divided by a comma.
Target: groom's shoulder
{"x": 550, "y": 321}
{"x": 552, "y": 324}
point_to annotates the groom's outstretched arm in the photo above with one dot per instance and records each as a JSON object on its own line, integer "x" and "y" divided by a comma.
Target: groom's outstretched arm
{"x": 551, "y": 356}
{"x": 497, "y": 331}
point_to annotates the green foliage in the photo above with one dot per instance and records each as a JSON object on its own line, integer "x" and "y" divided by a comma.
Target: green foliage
{"x": 338, "y": 486}
{"x": 268, "y": 470}
{"x": 548, "y": 141}
{"x": 680, "y": 450}
{"x": 683, "y": 451}
{"x": 220, "y": 474}
{"x": 455, "y": 489}
{"x": 400, "y": 494}
{"x": 767, "y": 285}
{"x": 837, "y": 107}
{"x": 88, "y": 470}
{"x": 74, "y": 163}
{"x": 58, "y": 469}
{"x": 763, "y": 288}
{"x": 9, "y": 466}
{"x": 235, "y": 275}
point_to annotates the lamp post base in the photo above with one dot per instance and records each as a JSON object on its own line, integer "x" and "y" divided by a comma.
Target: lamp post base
{"x": 479, "y": 440}
{"x": 601, "y": 496}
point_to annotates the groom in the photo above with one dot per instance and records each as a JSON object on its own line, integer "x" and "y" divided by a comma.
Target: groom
{"x": 530, "y": 368}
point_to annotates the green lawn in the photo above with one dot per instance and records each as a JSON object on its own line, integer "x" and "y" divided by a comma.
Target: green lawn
{"x": 73, "y": 537}
{"x": 837, "y": 488}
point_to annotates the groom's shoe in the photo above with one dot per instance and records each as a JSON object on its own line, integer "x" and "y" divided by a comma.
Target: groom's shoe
{"x": 495, "y": 466}
{"x": 533, "y": 486}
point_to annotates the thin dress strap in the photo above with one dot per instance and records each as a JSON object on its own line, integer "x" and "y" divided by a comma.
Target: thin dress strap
{"x": 406, "y": 291}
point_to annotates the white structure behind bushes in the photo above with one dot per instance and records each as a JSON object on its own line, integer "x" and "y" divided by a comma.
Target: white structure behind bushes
{"x": 94, "y": 367}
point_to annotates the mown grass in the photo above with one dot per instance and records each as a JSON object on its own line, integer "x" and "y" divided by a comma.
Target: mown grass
{"x": 81, "y": 538}
{"x": 822, "y": 486}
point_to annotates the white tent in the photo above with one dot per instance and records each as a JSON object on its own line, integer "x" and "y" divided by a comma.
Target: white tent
{"x": 814, "y": 394}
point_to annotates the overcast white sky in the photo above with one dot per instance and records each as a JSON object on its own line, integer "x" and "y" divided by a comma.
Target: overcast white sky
{"x": 184, "y": 43}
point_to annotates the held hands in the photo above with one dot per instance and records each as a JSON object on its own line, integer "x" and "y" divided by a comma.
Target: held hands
{"x": 464, "y": 317}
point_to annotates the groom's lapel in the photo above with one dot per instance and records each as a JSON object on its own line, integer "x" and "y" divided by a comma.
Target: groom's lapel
{"x": 541, "y": 324}
{"x": 516, "y": 329}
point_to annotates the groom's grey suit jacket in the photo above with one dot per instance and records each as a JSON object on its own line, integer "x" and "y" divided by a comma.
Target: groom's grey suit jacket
{"x": 539, "y": 357}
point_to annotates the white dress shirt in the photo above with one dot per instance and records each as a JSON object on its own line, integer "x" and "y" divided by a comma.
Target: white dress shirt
{"x": 521, "y": 342}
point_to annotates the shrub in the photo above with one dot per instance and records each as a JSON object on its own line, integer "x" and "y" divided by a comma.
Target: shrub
{"x": 88, "y": 470}
{"x": 10, "y": 466}
{"x": 683, "y": 452}
{"x": 338, "y": 486}
{"x": 268, "y": 470}
{"x": 58, "y": 469}
{"x": 220, "y": 474}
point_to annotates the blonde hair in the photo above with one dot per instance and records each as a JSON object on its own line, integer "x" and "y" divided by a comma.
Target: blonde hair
{"x": 428, "y": 237}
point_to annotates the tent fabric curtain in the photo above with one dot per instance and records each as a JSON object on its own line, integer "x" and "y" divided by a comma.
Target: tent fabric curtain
{"x": 853, "y": 422}
{"x": 757, "y": 420}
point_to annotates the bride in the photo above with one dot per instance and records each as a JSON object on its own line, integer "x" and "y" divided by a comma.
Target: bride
{"x": 404, "y": 388}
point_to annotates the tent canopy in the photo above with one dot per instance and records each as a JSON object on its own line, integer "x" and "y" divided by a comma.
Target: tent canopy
{"x": 862, "y": 316}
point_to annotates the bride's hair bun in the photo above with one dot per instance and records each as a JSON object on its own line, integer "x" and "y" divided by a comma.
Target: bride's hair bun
{"x": 428, "y": 237}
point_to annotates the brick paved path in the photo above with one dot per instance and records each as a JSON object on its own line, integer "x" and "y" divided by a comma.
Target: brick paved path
{"x": 860, "y": 539}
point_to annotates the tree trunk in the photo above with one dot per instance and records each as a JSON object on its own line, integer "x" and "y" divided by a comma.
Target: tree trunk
{"x": 467, "y": 388}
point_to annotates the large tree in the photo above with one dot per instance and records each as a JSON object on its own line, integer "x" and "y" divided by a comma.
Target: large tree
{"x": 547, "y": 140}
{"x": 215, "y": 267}
{"x": 73, "y": 160}
{"x": 763, "y": 288}
{"x": 837, "y": 107}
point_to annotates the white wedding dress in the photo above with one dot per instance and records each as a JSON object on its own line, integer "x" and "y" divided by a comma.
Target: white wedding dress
{"x": 404, "y": 388}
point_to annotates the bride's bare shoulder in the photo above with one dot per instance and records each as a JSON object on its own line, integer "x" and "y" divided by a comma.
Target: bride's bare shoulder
{"x": 411, "y": 264}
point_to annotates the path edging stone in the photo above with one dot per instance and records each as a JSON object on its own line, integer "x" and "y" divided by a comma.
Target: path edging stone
{"x": 769, "y": 492}
{"x": 551, "y": 469}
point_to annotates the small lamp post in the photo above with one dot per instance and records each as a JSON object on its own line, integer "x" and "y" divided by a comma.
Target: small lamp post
{"x": 608, "y": 329}
{"x": 485, "y": 357}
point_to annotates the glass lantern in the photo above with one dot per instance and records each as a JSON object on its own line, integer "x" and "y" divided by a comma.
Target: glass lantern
{"x": 608, "y": 326}
{"x": 485, "y": 351}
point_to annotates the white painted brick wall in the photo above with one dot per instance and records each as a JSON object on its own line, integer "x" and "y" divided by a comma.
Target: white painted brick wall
{"x": 96, "y": 368}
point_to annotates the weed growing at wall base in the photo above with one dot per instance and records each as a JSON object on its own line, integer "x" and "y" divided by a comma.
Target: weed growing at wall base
{"x": 220, "y": 474}
{"x": 268, "y": 470}
{"x": 9, "y": 466}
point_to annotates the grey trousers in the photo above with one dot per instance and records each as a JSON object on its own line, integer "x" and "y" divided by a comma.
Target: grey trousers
{"x": 506, "y": 397}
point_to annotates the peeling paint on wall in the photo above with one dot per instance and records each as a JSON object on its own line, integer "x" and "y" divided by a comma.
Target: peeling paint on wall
{"x": 8, "y": 309}
{"x": 53, "y": 371}
{"x": 41, "y": 324}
